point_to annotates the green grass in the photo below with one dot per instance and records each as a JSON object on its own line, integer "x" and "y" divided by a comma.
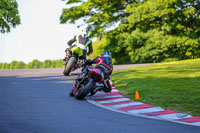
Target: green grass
{"x": 174, "y": 85}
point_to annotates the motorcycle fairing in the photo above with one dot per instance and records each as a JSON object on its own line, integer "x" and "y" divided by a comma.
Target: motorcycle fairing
{"x": 97, "y": 72}
{"x": 78, "y": 50}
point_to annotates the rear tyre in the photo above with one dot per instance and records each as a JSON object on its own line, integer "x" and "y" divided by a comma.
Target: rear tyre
{"x": 69, "y": 66}
{"x": 83, "y": 91}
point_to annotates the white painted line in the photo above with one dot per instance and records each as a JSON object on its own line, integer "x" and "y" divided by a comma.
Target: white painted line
{"x": 101, "y": 105}
{"x": 114, "y": 90}
{"x": 114, "y": 100}
{"x": 125, "y": 104}
{"x": 196, "y": 123}
{"x": 173, "y": 116}
{"x": 106, "y": 97}
{"x": 102, "y": 92}
{"x": 146, "y": 110}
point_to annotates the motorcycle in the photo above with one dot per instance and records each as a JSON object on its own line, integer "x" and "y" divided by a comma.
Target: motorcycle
{"x": 87, "y": 85}
{"x": 73, "y": 60}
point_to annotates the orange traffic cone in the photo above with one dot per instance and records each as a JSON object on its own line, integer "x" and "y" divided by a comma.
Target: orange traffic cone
{"x": 137, "y": 95}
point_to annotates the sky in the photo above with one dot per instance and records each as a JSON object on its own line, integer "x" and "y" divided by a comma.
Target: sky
{"x": 40, "y": 34}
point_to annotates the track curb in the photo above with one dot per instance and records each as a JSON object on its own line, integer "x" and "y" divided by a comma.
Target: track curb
{"x": 116, "y": 102}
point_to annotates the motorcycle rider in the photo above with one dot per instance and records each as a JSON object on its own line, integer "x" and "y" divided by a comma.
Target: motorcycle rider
{"x": 83, "y": 41}
{"x": 104, "y": 63}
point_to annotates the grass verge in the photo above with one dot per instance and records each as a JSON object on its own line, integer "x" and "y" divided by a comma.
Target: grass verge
{"x": 174, "y": 85}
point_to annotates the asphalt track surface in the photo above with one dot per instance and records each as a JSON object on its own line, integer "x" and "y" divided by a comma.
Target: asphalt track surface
{"x": 37, "y": 101}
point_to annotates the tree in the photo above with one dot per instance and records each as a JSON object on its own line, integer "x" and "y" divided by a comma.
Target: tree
{"x": 53, "y": 64}
{"x": 180, "y": 17}
{"x": 9, "y": 15}
{"x": 13, "y": 65}
{"x": 156, "y": 30}
{"x": 34, "y": 64}
{"x": 47, "y": 63}
{"x": 160, "y": 29}
{"x": 99, "y": 15}
{"x": 1, "y": 65}
{"x": 59, "y": 63}
{"x": 20, "y": 65}
{"x": 5, "y": 66}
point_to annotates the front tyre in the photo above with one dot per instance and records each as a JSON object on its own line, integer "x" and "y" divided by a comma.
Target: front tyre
{"x": 69, "y": 66}
{"x": 83, "y": 91}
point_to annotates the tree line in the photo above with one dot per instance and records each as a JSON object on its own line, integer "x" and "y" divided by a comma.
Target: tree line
{"x": 34, "y": 64}
{"x": 140, "y": 31}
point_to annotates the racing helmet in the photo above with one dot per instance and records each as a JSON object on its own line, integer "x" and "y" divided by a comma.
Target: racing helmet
{"x": 106, "y": 53}
{"x": 84, "y": 33}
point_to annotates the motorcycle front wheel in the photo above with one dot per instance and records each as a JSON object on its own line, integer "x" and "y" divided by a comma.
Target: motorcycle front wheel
{"x": 83, "y": 91}
{"x": 69, "y": 66}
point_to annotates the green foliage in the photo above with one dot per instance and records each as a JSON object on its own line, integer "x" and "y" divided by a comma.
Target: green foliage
{"x": 20, "y": 65}
{"x": 59, "y": 63}
{"x": 33, "y": 64}
{"x": 4, "y": 66}
{"x": 119, "y": 54}
{"x": 172, "y": 16}
{"x": 53, "y": 64}
{"x": 146, "y": 31}
{"x": 9, "y": 15}
{"x": 159, "y": 29}
{"x": 13, "y": 65}
{"x": 47, "y": 64}
{"x": 98, "y": 15}
{"x": 98, "y": 47}
{"x": 155, "y": 46}
{"x": 170, "y": 60}
{"x": 17, "y": 65}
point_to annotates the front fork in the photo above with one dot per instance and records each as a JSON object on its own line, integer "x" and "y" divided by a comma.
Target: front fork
{"x": 77, "y": 84}
{"x": 74, "y": 88}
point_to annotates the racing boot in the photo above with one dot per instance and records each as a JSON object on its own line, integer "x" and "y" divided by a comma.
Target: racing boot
{"x": 64, "y": 59}
{"x": 71, "y": 93}
{"x": 108, "y": 86}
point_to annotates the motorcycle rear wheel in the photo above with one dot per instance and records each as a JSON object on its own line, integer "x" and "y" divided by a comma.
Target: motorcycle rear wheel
{"x": 69, "y": 66}
{"x": 83, "y": 91}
